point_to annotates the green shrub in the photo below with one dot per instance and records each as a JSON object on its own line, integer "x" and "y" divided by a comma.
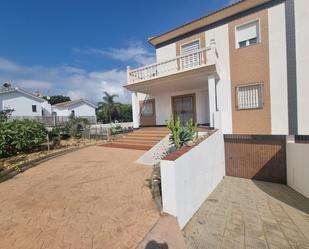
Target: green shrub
{"x": 75, "y": 126}
{"x": 5, "y": 114}
{"x": 180, "y": 135}
{"x": 116, "y": 129}
{"x": 59, "y": 133}
{"x": 20, "y": 136}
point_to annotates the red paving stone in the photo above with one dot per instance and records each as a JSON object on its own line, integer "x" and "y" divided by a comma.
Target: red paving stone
{"x": 92, "y": 198}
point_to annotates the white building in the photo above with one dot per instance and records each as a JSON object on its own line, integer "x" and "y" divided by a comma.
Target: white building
{"x": 24, "y": 103}
{"x": 77, "y": 108}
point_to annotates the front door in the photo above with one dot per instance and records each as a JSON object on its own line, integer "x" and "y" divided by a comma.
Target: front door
{"x": 184, "y": 107}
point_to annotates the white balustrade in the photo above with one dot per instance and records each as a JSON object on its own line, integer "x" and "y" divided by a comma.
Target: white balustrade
{"x": 200, "y": 58}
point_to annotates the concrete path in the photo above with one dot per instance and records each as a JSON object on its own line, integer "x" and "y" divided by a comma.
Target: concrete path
{"x": 249, "y": 214}
{"x": 92, "y": 198}
{"x": 166, "y": 234}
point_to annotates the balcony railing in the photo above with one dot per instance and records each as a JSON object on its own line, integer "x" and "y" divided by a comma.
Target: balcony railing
{"x": 199, "y": 58}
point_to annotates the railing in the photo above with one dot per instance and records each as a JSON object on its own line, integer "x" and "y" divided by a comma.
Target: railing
{"x": 53, "y": 120}
{"x": 199, "y": 58}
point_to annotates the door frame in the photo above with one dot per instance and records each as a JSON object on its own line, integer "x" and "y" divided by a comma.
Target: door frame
{"x": 193, "y": 95}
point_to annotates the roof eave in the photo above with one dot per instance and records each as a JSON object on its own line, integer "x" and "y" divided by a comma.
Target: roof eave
{"x": 214, "y": 17}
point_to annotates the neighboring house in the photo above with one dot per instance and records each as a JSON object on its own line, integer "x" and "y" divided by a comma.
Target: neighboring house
{"x": 77, "y": 108}
{"x": 243, "y": 68}
{"x": 24, "y": 103}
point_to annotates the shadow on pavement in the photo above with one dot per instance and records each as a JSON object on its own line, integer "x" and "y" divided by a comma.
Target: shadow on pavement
{"x": 285, "y": 194}
{"x": 154, "y": 245}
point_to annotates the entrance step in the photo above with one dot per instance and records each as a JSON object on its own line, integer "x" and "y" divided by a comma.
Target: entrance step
{"x": 141, "y": 139}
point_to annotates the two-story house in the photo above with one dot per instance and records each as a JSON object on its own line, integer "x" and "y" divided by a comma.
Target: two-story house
{"x": 241, "y": 69}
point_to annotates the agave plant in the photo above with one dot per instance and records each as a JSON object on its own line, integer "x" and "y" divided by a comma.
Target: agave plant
{"x": 181, "y": 135}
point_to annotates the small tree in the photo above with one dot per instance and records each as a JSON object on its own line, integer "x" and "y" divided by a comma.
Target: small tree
{"x": 57, "y": 99}
{"x": 109, "y": 106}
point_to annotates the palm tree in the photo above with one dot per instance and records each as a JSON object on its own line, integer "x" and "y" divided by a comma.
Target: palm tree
{"x": 109, "y": 104}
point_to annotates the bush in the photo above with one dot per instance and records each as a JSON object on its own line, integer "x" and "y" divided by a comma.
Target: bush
{"x": 59, "y": 133}
{"x": 5, "y": 114}
{"x": 75, "y": 126}
{"x": 20, "y": 136}
{"x": 181, "y": 134}
{"x": 116, "y": 130}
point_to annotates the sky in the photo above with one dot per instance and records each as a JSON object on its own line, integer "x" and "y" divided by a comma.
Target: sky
{"x": 81, "y": 48}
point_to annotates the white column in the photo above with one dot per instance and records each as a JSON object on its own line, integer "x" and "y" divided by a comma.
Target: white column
{"x": 135, "y": 110}
{"x": 212, "y": 99}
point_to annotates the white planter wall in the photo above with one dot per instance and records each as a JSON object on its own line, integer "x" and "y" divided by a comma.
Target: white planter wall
{"x": 298, "y": 167}
{"x": 188, "y": 181}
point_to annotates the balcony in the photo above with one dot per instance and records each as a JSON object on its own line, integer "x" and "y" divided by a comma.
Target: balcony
{"x": 200, "y": 58}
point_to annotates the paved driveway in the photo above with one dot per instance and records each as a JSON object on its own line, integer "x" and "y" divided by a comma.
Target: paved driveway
{"x": 92, "y": 198}
{"x": 241, "y": 213}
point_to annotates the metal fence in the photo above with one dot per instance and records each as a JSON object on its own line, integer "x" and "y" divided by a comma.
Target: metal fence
{"x": 106, "y": 131}
{"x": 53, "y": 120}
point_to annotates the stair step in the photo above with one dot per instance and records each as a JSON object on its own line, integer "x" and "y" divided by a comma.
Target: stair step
{"x": 151, "y": 131}
{"x": 128, "y": 146}
{"x": 127, "y": 141}
{"x": 143, "y": 138}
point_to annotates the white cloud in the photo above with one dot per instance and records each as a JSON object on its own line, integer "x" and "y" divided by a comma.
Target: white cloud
{"x": 233, "y": 1}
{"x": 35, "y": 84}
{"x": 67, "y": 80}
{"x": 135, "y": 52}
{"x": 6, "y": 65}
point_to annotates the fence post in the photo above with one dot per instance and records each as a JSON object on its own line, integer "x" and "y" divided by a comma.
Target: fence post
{"x": 47, "y": 138}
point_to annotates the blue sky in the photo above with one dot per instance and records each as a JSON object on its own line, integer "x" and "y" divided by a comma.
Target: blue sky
{"x": 81, "y": 48}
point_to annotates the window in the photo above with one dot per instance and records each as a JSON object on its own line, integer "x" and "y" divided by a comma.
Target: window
{"x": 249, "y": 96}
{"x": 34, "y": 108}
{"x": 190, "y": 59}
{"x": 248, "y": 34}
{"x": 148, "y": 109}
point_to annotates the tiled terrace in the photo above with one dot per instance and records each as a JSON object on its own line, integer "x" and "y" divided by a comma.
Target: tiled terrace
{"x": 241, "y": 213}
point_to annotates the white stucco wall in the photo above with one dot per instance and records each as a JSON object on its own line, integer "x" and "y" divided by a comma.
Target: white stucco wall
{"x": 164, "y": 105}
{"x": 166, "y": 52}
{"x": 47, "y": 109}
{"x": 81, "y": 110}
{"x": 297, "y": 167}
{"x": 61, "y": 112}
{"x": 221, "y": 36}
{"x": 188, "y": 181}
{"x": 278, "y": 70}
{"x": 302, "y": 61}
{"x": 22, "y": 104}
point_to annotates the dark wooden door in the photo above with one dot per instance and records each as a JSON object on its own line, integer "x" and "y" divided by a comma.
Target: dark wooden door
{"x": 184, "y": 108}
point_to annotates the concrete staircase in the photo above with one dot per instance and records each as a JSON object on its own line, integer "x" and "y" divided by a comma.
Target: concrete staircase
{"x": 141, "y": 139}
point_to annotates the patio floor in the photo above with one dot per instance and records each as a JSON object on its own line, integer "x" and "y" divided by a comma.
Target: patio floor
{"x": 93, "y": 198}
{"x": 241, "y": 213}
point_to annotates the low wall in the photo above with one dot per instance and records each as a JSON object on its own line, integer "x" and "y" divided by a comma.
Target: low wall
{"x": 298, "y": 167}
{"x": 188, "y": 180}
